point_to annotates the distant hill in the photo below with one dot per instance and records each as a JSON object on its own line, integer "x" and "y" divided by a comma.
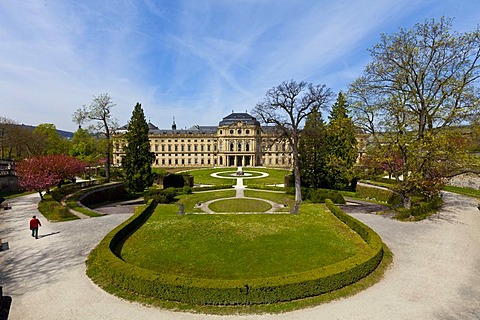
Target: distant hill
{"x": 65, "y": 134}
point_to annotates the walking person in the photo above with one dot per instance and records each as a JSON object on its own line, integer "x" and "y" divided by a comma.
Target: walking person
{"x": 34, "y": 224}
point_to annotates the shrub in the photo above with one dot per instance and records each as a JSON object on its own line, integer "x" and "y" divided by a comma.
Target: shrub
{"x": 161, "y": 195}
{"x": 187, "y": 190}
{"x": 174, "y": 180}
{"x": 188, "y": 180}
{"x": 420, "y": 210}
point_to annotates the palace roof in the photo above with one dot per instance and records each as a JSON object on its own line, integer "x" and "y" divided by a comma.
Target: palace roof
{"x": 238, "y": 117}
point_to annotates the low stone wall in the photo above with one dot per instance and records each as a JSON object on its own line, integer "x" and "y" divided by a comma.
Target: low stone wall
{"x": 466, "y": 180}
{"x": 111, "y": 192}
{"x": 9, "y": 183}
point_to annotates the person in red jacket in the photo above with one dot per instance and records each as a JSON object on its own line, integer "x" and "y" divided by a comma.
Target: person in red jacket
{"x": 34, "y": 224}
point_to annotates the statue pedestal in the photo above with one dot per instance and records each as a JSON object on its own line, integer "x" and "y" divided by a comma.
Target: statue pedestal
{"x": 239, "y": 171}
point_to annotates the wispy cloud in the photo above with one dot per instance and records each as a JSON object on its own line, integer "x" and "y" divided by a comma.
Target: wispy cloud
{"x": 195, "y": 60}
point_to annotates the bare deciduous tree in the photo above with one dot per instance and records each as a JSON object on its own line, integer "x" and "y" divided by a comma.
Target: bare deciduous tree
{"x": 287, "y": 106}
{"x": 99, "y": 111}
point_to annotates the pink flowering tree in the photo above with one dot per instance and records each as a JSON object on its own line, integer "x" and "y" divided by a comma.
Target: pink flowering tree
{"x": 42, "y": 173}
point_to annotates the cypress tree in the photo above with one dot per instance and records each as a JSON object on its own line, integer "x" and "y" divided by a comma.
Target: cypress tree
{"x": 138, "y": 159}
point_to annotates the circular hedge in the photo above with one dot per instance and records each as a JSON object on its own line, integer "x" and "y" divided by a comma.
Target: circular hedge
{"x": 105, "y": 263}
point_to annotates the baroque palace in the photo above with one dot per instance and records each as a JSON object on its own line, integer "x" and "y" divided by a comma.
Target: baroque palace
{"x": 238, "y": 140}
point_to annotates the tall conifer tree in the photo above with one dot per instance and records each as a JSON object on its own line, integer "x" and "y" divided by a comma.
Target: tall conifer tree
{"x": 342, "y": 145}
{"x": 138, "y": 159}
{"x": 312, "y": 151}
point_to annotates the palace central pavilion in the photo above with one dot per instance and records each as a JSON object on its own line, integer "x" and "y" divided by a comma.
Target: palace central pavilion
{"x": 238, "y": 140}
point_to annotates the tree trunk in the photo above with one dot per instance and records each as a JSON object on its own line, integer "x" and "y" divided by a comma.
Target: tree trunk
{"x": 296, "y": 174}
{"x": 107, "y": 137}
{"x": 407, "y": 201}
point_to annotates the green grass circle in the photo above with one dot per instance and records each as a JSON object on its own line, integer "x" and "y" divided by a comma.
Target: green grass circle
{"x": 240, "y": 205}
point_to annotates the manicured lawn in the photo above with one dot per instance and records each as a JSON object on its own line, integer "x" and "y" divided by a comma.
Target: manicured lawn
{"x": 189, "y": 201}
{"x": 278, "y": 197}
{"x": 243, "y": 246}
{"x": 54, "y": 210}
{"x": 203, "y": 176}
{"x": 465, "y": 191}
{"x": 240, "y": 205}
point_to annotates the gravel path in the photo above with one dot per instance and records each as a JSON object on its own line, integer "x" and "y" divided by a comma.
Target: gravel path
{"x": 435, "y": 274}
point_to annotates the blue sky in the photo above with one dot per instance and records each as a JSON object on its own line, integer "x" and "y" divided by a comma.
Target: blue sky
{"x": 194, "y": 60}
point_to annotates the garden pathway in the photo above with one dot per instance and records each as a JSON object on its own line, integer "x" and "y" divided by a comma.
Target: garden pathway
{"x": 239, "y": 188}
{"x": 435, "y": 274}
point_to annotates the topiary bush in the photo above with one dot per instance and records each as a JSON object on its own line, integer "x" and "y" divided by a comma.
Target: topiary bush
{"x": 175, "y": 180}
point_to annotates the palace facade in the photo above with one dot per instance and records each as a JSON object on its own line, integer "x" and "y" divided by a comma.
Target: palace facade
{"x": 238, "y": 140}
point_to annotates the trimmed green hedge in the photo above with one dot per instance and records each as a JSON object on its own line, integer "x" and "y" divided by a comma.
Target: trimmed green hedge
{"x": 420, "y": 210}
{"x": 215, "y": 187}
{"x": 321, "y": 195}
{"x": 105, "y": 262}
{"x": 378, "y": 194}
{"x": 265, "y": 187}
